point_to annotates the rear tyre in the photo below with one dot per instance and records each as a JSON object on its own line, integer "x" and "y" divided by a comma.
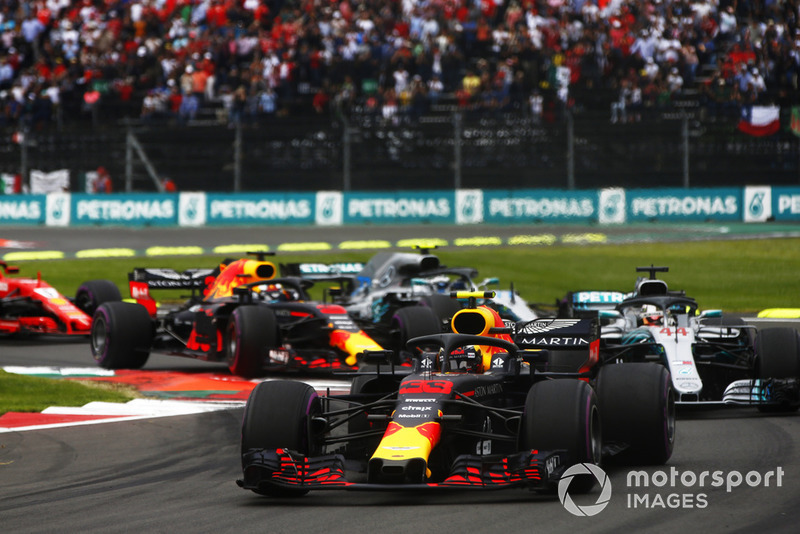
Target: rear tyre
{"x": 122, "y": 335}
{"x": 93, "y": 293}
{"x": 411, "y": 322}
{"x": 563, "y": 414}
{"x": 279, "y": 414}
{"x": 252, "y": 331}
{"x": 778, "y": 356}
{"x": 441, "y": 305}
{"x": 638, "y": 407}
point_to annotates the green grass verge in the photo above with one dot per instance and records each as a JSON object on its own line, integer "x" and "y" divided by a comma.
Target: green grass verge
{"x": 736, "y": 276}
{"x": 21, "y": 393}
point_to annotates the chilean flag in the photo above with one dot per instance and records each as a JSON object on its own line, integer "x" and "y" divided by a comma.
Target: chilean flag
{"x": 760, "y": 120}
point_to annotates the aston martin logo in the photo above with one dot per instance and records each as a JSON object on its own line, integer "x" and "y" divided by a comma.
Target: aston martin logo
{"x": 540, "y": 326}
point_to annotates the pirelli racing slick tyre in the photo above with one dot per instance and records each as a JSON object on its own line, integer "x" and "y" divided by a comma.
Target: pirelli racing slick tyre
{"x": 637, "y": 403}
{"x": 122, "y": 335}
{"x": 411, "y": 322}
{"x": 778, "y": 356}
{"x": 563, "y": 414}
{"x": 279, "y": 414}
{"x": 252, "y": 331}
{"x": 93, "y": 293}
{"x": 442, "y": 306}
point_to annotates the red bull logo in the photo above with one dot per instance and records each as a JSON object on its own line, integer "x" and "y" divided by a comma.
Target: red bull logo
{"x": 403, "y": 443}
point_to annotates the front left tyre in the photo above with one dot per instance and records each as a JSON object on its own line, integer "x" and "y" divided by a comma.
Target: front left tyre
{"x": 93, "y": 293}
{"x": 252, "y": 332}
{"x": 279, "y": 415}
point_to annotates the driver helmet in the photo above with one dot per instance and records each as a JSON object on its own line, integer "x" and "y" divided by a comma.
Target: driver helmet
{"x": 651, "y": 315}
{"x": 467, "y": 359}
{"x": 278, "y": 293}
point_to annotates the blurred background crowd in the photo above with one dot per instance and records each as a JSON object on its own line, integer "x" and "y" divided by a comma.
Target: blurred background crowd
{"x": 155, "y": 59}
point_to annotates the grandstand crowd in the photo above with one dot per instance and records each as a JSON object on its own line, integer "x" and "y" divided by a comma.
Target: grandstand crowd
{"x": 247, "y": 59}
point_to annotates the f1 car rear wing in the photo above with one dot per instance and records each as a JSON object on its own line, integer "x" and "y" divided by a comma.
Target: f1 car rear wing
{"x": 322, "y": 271}
{"x": 558, "y": 333}
{"x": 141, "y": 279}
{"x": 586, "y": 303}
{"x": 553, "y": 335}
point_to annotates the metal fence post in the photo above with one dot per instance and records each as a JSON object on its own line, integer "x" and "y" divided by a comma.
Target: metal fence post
{"x": 685, "y": 135}
{"x": 129, "y": 160}
{"x": 570, "y": 151}
{"x": 346, "y": 161}
{"x": 457, "y": 150}
{"x": 23, "y": 156}
{"x": 237, "y": 159}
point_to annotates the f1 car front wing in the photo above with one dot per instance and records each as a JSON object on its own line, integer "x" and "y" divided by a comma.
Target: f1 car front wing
{"x": 282, "y": 468}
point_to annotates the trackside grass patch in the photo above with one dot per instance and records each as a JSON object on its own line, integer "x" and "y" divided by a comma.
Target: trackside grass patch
{"x": 732, "y": 275}
{"x": 21, "y": 393}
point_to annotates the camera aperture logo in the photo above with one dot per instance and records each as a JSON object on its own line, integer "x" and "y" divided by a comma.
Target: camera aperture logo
{"x": 586, "y": 470}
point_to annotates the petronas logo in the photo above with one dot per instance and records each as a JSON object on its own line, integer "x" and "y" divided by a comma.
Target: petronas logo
{"x": 756, "y": 206}
{"x": 328, "y": 207}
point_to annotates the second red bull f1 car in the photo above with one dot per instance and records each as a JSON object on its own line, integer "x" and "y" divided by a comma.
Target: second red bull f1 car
{"x": 474, "y": 412}
{"x": 239, "y": 313}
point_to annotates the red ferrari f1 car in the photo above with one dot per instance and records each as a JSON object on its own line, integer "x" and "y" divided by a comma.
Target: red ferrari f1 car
{"x": 474, "y": 412}
{"x": 32, "y": 306}
{"x": 238, "y": 313}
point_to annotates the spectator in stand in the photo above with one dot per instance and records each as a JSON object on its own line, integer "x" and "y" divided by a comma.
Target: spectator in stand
{"x": 103, "y": 181}
{"x": 674, "y": 81}
{"x": 650, "y": 70}
{"x": 727, "y": 24}
{"x": 123, "y": 50}
{"x": 6, "y": 73}
{"x": 757, "y": 85}
{"x": 168, "y": 185}
{"x": 435, "y": 89}
{"x": 719, "y": 98}
{"x": 189, "y": 107}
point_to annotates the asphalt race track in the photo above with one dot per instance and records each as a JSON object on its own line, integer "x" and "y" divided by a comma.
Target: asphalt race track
{"x": 177, "y": 474}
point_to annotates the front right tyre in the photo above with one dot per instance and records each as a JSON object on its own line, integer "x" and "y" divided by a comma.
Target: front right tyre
{"x": 778, "y": 356}
{"x": 638, "y": 406}
{"x": 563, "y": 414}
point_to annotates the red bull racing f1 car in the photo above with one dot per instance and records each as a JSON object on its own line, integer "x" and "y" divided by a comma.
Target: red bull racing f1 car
{"x": 474, "y": 412}
{"x": 32, "y": 306}
{"x": 239, "y": 313}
